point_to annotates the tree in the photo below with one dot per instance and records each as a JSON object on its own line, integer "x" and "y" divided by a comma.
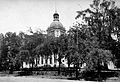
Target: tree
{"x": 83, "y": 47}
{"x": 54, "y": 46}
{"x": 10, "y": 50}
{"x": 44, "y": 49}
{"x": 101, "y": 22}
{"x": 61, "y": 45}
{"x": 30, "y": 42}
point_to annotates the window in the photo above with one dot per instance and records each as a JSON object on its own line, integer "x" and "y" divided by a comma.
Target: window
{"x": 57, "y": 33}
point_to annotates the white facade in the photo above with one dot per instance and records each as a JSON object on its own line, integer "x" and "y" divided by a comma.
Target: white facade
{"x": 111, "y": 65}
{"x": 57, "y": 33}
{"x": 54, "y": 62}
{"x": 42, "y": 61}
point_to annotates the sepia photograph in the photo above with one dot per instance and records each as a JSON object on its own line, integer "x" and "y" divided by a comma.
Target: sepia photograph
{"x": 59, "y": 40}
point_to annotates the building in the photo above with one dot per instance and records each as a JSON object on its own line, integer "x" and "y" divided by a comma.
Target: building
{"x": 55, "y": 29}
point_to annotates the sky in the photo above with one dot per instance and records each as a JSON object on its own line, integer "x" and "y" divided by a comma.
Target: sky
{"x": 19, "y": 15}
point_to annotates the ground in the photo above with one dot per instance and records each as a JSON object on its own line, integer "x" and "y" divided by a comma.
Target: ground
{"x": 39, "y": 79}
{"x": 113, "y": 79}
{"x": 5, "y": 77}
{"x": 33, "y": 79}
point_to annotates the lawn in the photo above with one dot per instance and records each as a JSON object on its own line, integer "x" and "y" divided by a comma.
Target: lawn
{"x": 5, "y": 77}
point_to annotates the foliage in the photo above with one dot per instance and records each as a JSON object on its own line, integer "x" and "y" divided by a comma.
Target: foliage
{"x": 91, "y": 43}
{"x": 101, "y": 22}
{"x": 10, "y": 50}
{"x": 29, "y": 44}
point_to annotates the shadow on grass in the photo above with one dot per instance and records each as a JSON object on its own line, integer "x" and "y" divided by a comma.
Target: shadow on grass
{"x": 94, "y": 76}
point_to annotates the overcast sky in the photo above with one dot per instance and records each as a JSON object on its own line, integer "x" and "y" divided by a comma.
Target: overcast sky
{"x": 19, "y": 15}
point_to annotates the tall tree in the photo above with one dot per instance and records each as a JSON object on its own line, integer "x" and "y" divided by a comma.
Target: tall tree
{"x": 54, "y": 46}
{"x": 11, "y": 44}
{"x": 100, "y": 21}
{"x": 30, "y": 42}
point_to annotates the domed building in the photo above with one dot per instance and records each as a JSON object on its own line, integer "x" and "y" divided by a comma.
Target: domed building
{"x": 56, "y": 28}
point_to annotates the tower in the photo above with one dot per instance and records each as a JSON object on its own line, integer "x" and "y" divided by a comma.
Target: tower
{"x": 56, "y": 28}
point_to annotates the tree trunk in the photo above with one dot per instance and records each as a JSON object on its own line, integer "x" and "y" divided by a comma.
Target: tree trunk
{"x": 68, "y": 63}
{"x": 99, "y": 71}
{"x": 32, "y": 63}
{"x": 11, "y": 69}
{"x": 22, "y": 66}
{"x": 77, "y": 65}
{"x": 59, "y": 60}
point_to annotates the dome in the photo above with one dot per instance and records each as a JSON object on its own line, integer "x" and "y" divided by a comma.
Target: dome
{"x": 55, "y": 14}
{"x": 56, "y": 24}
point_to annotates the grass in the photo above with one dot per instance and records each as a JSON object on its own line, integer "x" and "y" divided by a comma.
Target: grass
{"x": 6, "y": 73}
